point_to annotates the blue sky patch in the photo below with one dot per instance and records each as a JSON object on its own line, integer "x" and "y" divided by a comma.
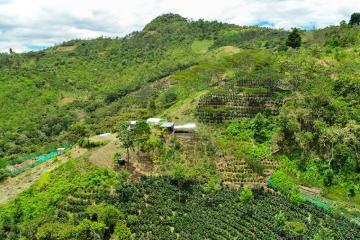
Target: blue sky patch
{"x": 265, "y": 24}
{"x": 34, "y": 47}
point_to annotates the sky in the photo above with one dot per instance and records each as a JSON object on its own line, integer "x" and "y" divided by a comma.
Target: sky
{"x": 27, "y": 25}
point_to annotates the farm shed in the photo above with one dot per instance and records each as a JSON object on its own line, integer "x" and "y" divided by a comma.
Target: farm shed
{"x": 60, "y": 151}
{"x": 168, "y": 125}
{"x": 132, "y": 125}
{"x": 154, "y": 121}
{"x": 186, "y": 128}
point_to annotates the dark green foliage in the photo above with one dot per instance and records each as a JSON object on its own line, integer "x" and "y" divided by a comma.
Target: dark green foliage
{"x": 169, "y": 99}
{"x": 352, "y": 192}
{"x": 328, "y": 177}
{"x": 161, "y": 208}
{"x": 355, "y": 19}
{"x": 87, "y": 143}
{"x": 294, "y": 39}
{"x": 193, "y": 218}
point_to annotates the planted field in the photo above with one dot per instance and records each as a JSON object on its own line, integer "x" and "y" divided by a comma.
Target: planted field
{"x": 245, "y": 173}
{"x": 169, "y": 209}
{"x": 245, "y": 99}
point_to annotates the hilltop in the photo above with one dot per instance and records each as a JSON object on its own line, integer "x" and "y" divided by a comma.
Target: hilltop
{"x": 282, "y": 121}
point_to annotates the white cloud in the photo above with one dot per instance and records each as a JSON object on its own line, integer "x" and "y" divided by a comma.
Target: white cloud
{"x": 25, "y": 24}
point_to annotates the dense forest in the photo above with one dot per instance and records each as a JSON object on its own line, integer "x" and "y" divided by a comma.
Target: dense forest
{"x": 274, "y": 109}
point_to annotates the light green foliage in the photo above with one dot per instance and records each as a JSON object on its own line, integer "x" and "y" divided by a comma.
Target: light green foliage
{"x": 121, "y": 232}
{"x": 212, "y": 185}
{"x": 107, "y": 214}
{"x": 2, "y": 230}
{"x": 295, "y": 196}
{"x": 246, "y": 195}
{"x": 141, "y": 134}
{"x": 90, "y": 230}
{"x": 260, "y": 126}
{"x": 63, "y": 231}
{"x": 282, "y": 181}
{"x": 280, "y": 219}
{"x": 201, "y": 47}
{"x": 68, "y": 178}
{"x": 132, "y": 219}
{"x": 58, "y": 231}
{"x": 323, "y": 234}
{"x": 296, "y": 227}
{"x": 241, "y": 129}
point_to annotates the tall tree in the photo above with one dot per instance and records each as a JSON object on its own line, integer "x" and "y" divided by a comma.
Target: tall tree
{"x": 294, "y": 39}
{"x": 355, "y": 19}
{"x": 142, "y": 134}
{"x": 126, "y": 137}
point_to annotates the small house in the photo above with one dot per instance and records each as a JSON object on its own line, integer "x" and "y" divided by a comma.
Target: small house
{"x": 186, "y": 128}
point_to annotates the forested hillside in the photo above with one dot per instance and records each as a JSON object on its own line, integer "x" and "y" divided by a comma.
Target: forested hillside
{"x": 274, "y": 113}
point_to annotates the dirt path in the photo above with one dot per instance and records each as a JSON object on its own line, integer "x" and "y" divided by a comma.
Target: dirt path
{"x": 103, "y": 156}
{"x": 13, "y": 186}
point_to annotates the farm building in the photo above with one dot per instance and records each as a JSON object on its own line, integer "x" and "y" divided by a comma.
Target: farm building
{"x": 186, "y": 128}
{"x": 60, "y": 151}
{"x": 168, "y": 125}
{"x": 154, "y": 121}
{"x": 132, "y": 125}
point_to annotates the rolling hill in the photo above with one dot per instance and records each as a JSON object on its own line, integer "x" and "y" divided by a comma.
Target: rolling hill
{"x": 282, "y": 121}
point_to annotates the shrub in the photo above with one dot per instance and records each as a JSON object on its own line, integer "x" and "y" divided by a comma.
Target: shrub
{"x": 280, "y": 219}
{"x": 132, "y": 219}
{"x": 3, "y": 175}
{"x": 323, "y": 234}
{"x": 246, "y": 195}
{"x": 295, "y": 227}
{"x": 121, "y": 232}
{"x": 169, "y": 99}
{"x": 87, "y": 143}
{"x": 351, "y": 192}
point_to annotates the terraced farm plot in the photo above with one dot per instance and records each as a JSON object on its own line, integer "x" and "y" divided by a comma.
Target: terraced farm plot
{"x": 238, "y": 173}
{"x": 243, "y": 99}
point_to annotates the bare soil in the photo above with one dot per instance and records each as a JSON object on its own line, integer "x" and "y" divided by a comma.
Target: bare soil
{"x": 13, "y": 186}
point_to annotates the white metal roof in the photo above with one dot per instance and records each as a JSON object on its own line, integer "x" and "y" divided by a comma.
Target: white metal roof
{"x": 186, "y": 126}
{"x": 167, "y": 125}
{"x": 154, "y": 120}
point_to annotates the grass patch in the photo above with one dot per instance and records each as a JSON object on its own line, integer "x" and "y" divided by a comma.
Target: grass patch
{"x": 201, "y": 47}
